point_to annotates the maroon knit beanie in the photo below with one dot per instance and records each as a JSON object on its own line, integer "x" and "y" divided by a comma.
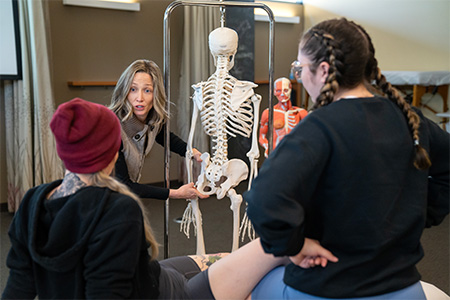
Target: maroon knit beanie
{"x": 87, "y": 135}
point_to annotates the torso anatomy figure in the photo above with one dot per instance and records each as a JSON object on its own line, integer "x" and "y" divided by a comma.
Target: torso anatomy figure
{"x": 227, "y": 108}
{"x": 285, "y": 116}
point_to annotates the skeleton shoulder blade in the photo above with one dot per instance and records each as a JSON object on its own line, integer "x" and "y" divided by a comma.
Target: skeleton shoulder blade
{"x": 242, "y": 91}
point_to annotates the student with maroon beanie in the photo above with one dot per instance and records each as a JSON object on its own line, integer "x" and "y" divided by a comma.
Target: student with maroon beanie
{"x": 88, "y": 236}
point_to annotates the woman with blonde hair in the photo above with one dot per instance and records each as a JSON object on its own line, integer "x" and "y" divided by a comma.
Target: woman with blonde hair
{"x": 139, "y": 101}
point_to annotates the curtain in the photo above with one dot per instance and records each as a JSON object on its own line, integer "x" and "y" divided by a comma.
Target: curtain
{"x": 31, "y": 157}
{"x": 197, "y": 65}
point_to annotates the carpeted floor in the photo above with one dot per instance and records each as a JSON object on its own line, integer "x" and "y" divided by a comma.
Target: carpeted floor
{"x": 217, "y": 224}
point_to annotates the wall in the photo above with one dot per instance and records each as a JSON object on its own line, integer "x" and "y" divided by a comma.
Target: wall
{"x": 91, "y": 44}
{"x": 3, "y": 186}
{"x": 409, "y": 35}
{"x": 286, "y": 39}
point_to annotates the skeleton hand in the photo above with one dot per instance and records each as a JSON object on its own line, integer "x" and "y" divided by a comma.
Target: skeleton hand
{"x": 187, "y": 191}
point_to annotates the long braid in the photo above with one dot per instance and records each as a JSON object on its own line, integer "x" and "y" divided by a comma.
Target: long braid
{"x": 352, "y": 61}
{"x": 100, "y": 179}
{"x": 373, "y": 72}
{"x": 331, "y": 84}
{"x": 421, "y": 159}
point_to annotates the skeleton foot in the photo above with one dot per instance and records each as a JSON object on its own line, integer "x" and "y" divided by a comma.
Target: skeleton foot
{"x": 246, "y": 228}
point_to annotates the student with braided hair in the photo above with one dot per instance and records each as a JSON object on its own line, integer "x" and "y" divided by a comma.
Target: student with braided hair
{"x": 362, "y": 175}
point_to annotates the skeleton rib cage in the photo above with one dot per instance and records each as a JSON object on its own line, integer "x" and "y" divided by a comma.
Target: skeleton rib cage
{"x": 219, "y": 119}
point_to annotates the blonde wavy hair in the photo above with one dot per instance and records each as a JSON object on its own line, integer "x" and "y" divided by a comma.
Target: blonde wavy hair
{"x": 100, "y": 179}
{"x": 119, "y": 103}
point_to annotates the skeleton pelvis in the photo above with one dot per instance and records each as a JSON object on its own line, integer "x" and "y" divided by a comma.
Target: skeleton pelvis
{"x": 219, "y": 179}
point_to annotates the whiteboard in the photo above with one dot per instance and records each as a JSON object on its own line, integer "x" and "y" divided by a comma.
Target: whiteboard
{"x": 10, "y": 55}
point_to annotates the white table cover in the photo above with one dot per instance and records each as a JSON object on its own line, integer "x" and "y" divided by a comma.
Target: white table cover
{"x": 430, "y": 78}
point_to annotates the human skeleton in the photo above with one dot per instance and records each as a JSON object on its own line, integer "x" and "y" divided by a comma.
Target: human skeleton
{"x": 227, "y": 107}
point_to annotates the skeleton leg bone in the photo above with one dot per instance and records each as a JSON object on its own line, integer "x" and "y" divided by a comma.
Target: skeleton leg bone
{"x": 236, "y": 201}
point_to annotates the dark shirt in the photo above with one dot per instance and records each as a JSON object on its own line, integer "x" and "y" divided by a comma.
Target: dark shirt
{"x": 177, "y": 145}
{"x": 90, "y": 244}
{"x": 345, "y": 177}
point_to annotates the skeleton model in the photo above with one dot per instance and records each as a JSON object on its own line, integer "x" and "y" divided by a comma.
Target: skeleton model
{"x": 227, "y": 107}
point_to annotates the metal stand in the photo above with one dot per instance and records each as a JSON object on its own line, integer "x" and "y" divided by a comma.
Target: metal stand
{"x": 221, "y": 4}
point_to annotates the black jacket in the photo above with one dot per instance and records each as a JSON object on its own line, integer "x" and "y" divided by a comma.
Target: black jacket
{"x": 345, "y": 177}
{"x": 87, "y": 245}
{"x": 177, "y": 145}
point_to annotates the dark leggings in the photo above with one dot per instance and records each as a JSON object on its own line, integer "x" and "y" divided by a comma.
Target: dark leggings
{"x": 181, "y": 278}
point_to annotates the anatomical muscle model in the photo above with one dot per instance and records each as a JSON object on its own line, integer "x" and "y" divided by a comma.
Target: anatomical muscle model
{"x": 285, "y": 116}
{"x": 227, "y": 107}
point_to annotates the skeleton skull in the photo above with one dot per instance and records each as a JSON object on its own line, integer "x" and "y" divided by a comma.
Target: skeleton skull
{"x": 223, "y": 41}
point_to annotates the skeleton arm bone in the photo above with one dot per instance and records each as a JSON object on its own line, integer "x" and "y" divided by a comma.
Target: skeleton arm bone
{"x": 189, "y": 149}
{"x": 264, "y": 128}
{"x": 253, "y": 154}
{"x": 192, "y": 213}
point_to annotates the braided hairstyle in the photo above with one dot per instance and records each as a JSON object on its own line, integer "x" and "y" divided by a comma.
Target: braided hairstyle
{"x": 349, "y": 51}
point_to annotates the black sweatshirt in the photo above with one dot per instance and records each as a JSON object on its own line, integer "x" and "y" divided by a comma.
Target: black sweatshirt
{"x": 90, "y": 244}
{"x": 345, "y": 177}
